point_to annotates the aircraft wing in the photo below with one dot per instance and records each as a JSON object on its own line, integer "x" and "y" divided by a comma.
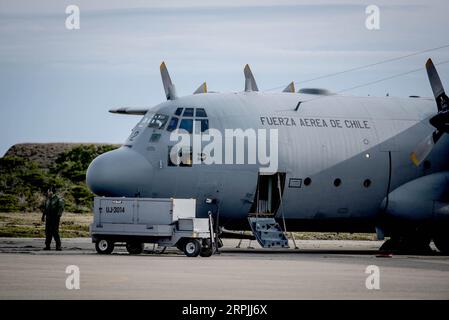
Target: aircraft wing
{"x": 133, "y": 111}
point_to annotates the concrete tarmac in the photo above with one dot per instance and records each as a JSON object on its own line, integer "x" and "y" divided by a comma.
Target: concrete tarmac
{"x": 318, "y": 270}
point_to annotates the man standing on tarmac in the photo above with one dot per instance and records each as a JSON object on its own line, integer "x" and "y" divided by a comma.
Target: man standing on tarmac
{"x": 53, "y": 208}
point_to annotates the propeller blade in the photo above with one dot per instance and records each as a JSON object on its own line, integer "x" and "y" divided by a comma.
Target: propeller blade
{"x": 201, "y": 89}
{"x": 441, "y": 120}
{"x": 134, "y": 111}
{"x": 437, "y": 87}
{"x": 290, "y": 87}
{"x": 169, "y": 87}
{"x": 250, "y": 82}
{"x": 425, "y": 147}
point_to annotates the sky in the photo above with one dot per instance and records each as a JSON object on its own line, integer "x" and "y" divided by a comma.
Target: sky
{"x": 57, "y": 85}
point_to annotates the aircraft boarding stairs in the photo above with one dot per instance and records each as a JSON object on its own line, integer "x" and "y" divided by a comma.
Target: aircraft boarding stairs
{"x": 268, "y": 232}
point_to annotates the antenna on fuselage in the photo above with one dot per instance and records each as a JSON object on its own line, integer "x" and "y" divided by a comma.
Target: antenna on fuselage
{"x": 250, "y": 82}
{"x": 169, "y": 87}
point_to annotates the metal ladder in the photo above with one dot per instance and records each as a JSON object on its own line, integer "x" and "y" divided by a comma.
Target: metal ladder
{"x": 268, "y": 232}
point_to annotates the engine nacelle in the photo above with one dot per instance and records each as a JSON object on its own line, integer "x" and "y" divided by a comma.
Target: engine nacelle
{"x": 422, "y": 199}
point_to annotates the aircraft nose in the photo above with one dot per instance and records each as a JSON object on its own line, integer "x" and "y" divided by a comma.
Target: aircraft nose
{"x": 119, "y": 173}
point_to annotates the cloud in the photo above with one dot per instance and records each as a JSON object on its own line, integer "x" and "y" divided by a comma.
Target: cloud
{"x": 114, "y": 58}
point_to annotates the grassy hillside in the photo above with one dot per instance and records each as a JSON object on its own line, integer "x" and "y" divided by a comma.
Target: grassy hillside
{"x": 26, "y": 172}
{"x": 29, "y": 225}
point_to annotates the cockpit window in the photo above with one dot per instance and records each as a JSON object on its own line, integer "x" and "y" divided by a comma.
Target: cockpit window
{"x": 201, "y": 113}
{"x": 188, "y": 121}
{"x": 178, "y": 111}
{"x": 172, "y": 124}
{"x": 186, "y": 124}
{"x": 158, "y": 121}
{"x": 188, "y": 112}
{"x": 204, "y": 124}
{"x": 144, "y": 121}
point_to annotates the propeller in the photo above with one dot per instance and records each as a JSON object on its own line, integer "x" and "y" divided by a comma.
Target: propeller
{"x": 250, "y": 82}
{"x": 201, "y": 89}
{"x": 169, "y": 87}
{"x": 440, "y": 121}
{"x": 290, "y": 87}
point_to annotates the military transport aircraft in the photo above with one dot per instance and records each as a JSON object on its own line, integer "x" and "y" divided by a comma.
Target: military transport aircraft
{"x": 344, "y": 163}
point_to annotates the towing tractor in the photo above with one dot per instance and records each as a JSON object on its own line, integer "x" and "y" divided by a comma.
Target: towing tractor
{"x": 136, "y": 221}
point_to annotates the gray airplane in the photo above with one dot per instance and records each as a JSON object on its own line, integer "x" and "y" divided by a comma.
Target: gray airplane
{"x": 345, "y": 163}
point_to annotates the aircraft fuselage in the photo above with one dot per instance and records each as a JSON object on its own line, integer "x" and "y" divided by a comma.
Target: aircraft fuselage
{"x": 338, "y": 158}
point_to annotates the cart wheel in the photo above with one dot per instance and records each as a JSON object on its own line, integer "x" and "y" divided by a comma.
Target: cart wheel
{"x": 134, "y": 247}
{"x": 192, "y": 248}
{"x": 104, "y": 246}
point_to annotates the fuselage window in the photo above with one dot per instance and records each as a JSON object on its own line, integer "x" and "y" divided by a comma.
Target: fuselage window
{"x": 158, "y": 121}
{"x": 172, "y": 124}
{"x": 178, "y": 111}
{"x": 186, "y": 124}
{"x": 201, "y": 113}
{"x": 188, "y": 112}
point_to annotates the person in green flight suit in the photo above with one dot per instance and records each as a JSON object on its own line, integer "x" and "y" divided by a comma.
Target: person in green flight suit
{"x": 52, "y": 212}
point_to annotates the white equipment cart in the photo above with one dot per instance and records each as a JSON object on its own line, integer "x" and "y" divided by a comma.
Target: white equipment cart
{"x": 136, "y": 221}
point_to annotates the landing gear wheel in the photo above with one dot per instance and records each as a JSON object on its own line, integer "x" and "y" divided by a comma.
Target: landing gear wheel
{"x": 415, "y": 244}
{"x": 192, "y": 248}
{"x": 206, "y": 249}
{"x": 442, "y": 243}
{"x": 134, "y": 247}
{"x": 104, "y": 246}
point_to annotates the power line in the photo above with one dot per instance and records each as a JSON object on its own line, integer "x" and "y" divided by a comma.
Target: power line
{"x": 388, "y": 78}
{"x": 377, "y": 81}
{"x": 365, "y": 66}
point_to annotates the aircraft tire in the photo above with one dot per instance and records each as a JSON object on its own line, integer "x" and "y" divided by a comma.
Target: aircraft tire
{"x": 206, "y": 249}
{"x": 134, "y": 247}
{"x": 416, "y": 244}
{"x": 206, "y": 252}
{"x": 192, "y": 248}
{"x": 104, "y": 246}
